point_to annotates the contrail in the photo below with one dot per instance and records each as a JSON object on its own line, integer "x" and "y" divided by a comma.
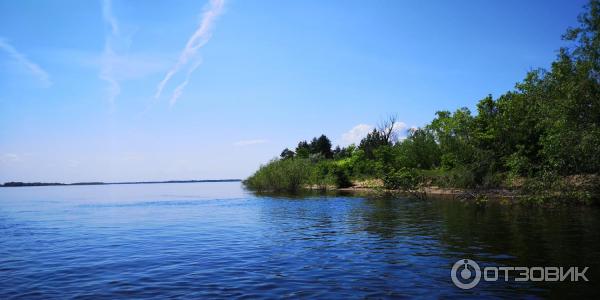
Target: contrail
{"x": 35, "y": 69}
{"x": 179, "y": 89}
{"x": 109, "y": 18}
{"x": 108, "y": 56}
{"x": 200, "y": 37}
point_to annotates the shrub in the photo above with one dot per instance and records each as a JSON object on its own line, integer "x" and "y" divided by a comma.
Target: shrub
{"x": 340, "y": 174}
{"x": 403, "y": 179}
{"x": 280, "y": 175}
{"x": 320, "y": 176}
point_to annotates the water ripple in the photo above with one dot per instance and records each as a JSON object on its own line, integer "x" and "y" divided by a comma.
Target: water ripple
{"x": 155, "y": 242}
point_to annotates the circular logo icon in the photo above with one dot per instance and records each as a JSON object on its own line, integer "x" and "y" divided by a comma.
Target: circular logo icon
{"x": 465, "y": 274}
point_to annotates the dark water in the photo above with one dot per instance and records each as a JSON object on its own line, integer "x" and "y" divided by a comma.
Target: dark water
{"x": 210, "y": 240}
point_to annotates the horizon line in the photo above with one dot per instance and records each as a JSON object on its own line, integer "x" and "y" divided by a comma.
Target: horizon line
{"x": 25, "y": 184}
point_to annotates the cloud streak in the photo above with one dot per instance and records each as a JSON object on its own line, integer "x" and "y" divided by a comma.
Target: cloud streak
{"x": 32, "y": 67}
{"x": 190, "y": 52}
{"x": 109, "y": 56}
{"x": 109, "y": 18}
{"x": 179, "y": 89}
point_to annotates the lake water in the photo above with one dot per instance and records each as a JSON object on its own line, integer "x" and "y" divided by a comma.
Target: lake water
{"x": 216, "y": 240}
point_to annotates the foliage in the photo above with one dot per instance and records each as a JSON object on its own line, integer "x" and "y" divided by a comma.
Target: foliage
{"x": 545, "y": 130}
{"x": 341, "y": 176}
{"x": 372, "y": 141}
{"x": 287, "y": 153}
{"x": 280, "y": 175}
{"x": 403, "y": 179}
{"x": 293, "y": 174}
{"x": 303, "y": 149}
{"x": 321, "y": 145}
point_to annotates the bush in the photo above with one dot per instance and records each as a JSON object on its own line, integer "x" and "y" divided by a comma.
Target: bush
{"x": 550, "y": 188}
{"x": 342, "y": 179}
{"x": 459, "y": 177}
{"x": 320, "y": 176}
{"x": 403, "y": 179}
{"x": 293, "y": 174}
{"x": 280, "y": 175}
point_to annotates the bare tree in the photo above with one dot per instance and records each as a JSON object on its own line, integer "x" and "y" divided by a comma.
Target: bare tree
{"x": 387, "y": 129}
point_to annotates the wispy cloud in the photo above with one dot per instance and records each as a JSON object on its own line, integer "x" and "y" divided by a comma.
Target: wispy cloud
{"x": 32, "y": 67}
{"x": 200, "y": 37}
{"x": 179, "y": 89}
{"x": 108, "y": 56}
{"x": 109, "y": 18}
{"x": 250, "y": 142}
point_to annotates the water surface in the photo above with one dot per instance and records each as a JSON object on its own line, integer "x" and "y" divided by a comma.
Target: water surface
{"x": 200, "y": 240}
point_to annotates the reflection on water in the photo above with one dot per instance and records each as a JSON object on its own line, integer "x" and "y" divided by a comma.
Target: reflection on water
{"x": 217, "y": 240}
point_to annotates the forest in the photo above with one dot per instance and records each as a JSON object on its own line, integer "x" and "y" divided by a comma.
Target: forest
{"x": 541, "y": 139}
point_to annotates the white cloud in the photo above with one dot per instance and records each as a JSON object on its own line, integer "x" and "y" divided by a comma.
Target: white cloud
{"x": 400, "y": 128}
{"x": 356, "y": 134}
{"x": 32, "y": 67}
{"x": 200, "y": 37}
{"x": 109, "y": 56}
{"x": 250, "y": 142}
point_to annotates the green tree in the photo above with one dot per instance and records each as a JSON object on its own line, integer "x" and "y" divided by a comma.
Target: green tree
{"x": 303, "y": 149}
{"x": 372, "y": 141}
{"x": 287, "y": 153}
{"x": 321, "y": 145}
{"x": 419, "y": 150}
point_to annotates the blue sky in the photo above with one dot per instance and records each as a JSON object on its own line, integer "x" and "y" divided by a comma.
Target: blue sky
{"x": 79, "y": 80}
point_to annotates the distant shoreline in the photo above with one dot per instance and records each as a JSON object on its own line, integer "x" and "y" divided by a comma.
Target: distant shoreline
{"x": 25, "y": 184}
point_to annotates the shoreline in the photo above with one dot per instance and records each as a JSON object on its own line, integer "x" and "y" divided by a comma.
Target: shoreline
{"x": 438, "y": 192}
{"x": 376, "y": 185}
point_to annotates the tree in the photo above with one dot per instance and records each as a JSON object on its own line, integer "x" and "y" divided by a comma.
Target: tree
{"x": 345, "y": 152}
{"x": 387, "y": 129}
{"x": 336, "y": 151}
{"x": 322, "y": 145}
{"x": 303, "y": 149}
{"x": 372, "y": 141}
{"x": 453, "y": 133}
{"x": 287, "y": 153}
{"x": 547, "y": 127}
{"x": 419, "y": 150}
{"x": 587, "y": 36}
{"x": 386, "y": 133}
